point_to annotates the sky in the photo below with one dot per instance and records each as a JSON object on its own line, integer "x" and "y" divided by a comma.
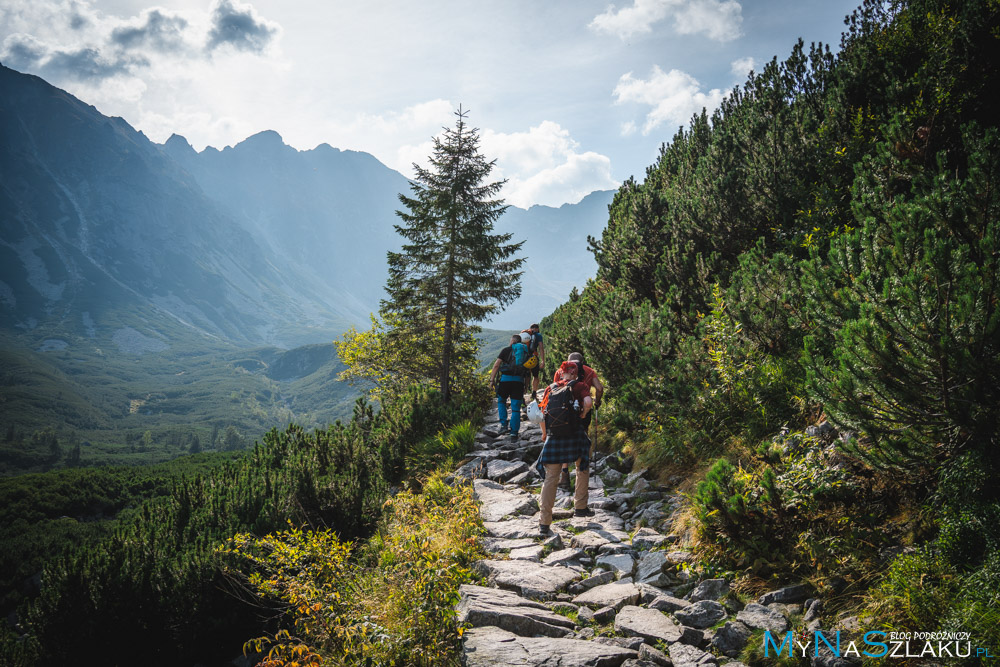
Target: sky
{"x": 569, "y": 96}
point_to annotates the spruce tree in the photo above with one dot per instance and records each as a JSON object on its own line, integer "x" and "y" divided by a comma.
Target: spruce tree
{"x": 452, "y": 271}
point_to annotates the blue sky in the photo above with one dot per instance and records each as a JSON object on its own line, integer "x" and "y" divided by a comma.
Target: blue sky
{"x": 570, "y": 96}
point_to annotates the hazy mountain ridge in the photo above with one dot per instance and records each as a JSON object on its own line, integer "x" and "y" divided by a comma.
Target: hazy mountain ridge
{"x": 96, "y": 217}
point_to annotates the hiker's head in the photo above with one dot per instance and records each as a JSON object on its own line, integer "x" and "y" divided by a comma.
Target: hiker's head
{"x": 516, "y": 338}
{"x": 534, "y": 328}
{"x": 577, "y": 357}
{"x": 525, "y": 338}
{"x": 567, "y": 370}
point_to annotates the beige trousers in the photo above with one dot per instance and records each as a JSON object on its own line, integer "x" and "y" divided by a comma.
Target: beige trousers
{"x": 580, "y": 498}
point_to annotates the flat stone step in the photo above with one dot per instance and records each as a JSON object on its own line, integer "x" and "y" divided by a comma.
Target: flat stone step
{"x": 482, "y": 606}
{"x": 495, "y": 647}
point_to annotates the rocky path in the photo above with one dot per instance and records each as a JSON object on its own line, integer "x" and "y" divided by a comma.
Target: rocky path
{"x": 612, "y": 589}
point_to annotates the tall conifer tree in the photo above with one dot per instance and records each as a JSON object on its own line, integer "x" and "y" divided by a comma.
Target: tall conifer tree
{"x": 452, "y": 270}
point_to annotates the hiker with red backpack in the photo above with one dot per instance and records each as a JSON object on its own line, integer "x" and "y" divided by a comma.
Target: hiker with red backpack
{"x": 587, "y": 376}
{"x": 566, "y": 403}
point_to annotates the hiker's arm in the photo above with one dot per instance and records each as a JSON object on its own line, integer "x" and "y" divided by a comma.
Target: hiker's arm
{"x": 596, "y": 384}
{"x": 493, "y": 372}
{"x": 541, "y": 352}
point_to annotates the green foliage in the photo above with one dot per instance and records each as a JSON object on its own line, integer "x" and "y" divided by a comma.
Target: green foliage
{"x": 912, "y": 303}
{"x": 154, "y": 581}
{"x": 452, "y": 271}
{"x": 392, "y": 604}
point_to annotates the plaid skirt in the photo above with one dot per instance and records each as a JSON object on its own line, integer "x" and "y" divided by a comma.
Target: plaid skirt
{"x": 565, "y": 449}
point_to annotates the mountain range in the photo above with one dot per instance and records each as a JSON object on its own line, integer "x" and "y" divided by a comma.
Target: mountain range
{"x": 258, "y": 243}
{"x": 115, "y": 248}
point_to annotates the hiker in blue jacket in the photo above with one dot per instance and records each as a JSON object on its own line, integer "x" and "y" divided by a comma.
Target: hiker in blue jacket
{"x": 510, "y": 367}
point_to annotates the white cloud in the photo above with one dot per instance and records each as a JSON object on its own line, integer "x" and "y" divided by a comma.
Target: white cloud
{"x": 720, "y": 20}
{"x": 68, "y": 41}
{"x": 628, "y": 128}
{"x": 741, "y": 67}
{"x": 544, "y": 166}
{"x": 675, "y": 96}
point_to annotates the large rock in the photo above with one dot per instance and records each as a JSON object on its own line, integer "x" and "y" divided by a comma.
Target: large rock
{"x": 622, "y": 564}
{"x": 564, "y": 556}
{"x": 592, "y": 540}
{"x": 496, "y": 502}
{"x": 481, "y": 606}
{"x": 475, "y": 468}
{"x": 787, "y": 595}
{"x": 513, "y": 529}
{"x": 594, "y": 580}
{"x": 498, "y": 544}
{"x": 647, "y": 538}
{"x": 532, "y": 580}
{"x": 495, "y": 647}
{"x": 650, "y": 624}
{"x": 701, "y": 614}
{"x": 710, "y": 589}
{"x": 758, "y": 616}
{"x": 650, "y": 570}
{"x": 685, "y": 655}
{"x": 616, "y": 595}
{"x": 501, "y": 470}
{"x": 731, "y": 638}
{"x": 668, "y": 603}
{"x": 533, "y": 552}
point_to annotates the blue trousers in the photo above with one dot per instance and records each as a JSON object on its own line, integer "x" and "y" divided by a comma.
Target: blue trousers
{"x": 515, "y": 413}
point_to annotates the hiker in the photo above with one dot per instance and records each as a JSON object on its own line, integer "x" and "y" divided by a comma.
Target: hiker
{"x": 566, "y": 441}
{"x": 587, "y": 376}
{"x": 510, "y": 367}
{"x": 536, "y": 347}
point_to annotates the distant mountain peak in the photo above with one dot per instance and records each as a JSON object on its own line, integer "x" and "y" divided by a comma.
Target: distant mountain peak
{"x": 268, "y": 139}
{"x": 177, "y": 142}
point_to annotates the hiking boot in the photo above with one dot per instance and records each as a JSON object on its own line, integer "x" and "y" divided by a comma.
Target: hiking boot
{"x": 585, "y": 512}
{"x": 564, "y": 479}
{"x": 514, "y": 437}
{"x": 504, "y": 430}
{"x": 544, "y": 530}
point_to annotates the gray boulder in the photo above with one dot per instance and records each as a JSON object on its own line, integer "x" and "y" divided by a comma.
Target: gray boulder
{"x": 501, "y": 470}
{"x": 532, "y": 553}
{"x": 710, "y": 589}
{"x": 564, "y": 556}
{"x": 496, "y": 502}
{"x": 786, "y": 595}
{"x": 481, "y": 606}
{"x": 651, "y": 569}
{"x": 650, "y": 624}
{"x": 731, "y": 638}
{"x": 647, "y": 538}
{"x": 621, "y": 564}
{"x": 597, "y": 579}
{"x": 760, "y": 617}
{"x": 495, "y": 647}
{"x": 633, "y": 643}
{"x": 655, "y": 656}
{"x": 668, "y": 603}
{"x": 701, "y": 614}
{"x": 532, "y": 580}
{"x": 616, "y": 595}
{"x": 604, "y": 615}
{"x": 685, "y": 655}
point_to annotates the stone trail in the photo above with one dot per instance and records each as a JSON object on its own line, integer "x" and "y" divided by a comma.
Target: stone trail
{"x": 554, "y": 600}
